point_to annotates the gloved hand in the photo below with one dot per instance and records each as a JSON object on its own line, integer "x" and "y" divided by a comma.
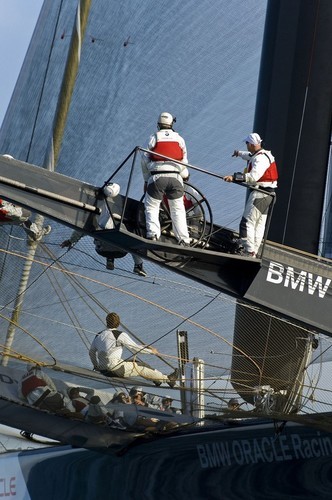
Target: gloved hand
{"x": 66, "y": 243}
{"x": 239, "y": 177}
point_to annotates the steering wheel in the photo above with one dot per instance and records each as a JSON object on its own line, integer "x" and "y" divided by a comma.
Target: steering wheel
{"x": 198, "y": 214}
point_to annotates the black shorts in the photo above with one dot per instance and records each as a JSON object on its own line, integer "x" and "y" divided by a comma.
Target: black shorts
{"x": 165, "y": 185}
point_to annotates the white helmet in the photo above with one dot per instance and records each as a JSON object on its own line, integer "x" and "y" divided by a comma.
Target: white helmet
{"x": 112, "y": 190}
{"x": 166, "y": 120}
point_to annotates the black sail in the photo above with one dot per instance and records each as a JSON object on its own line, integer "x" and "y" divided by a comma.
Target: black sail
{"x": 293, "y": 114}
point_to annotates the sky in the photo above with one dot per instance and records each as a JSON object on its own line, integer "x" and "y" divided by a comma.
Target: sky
{"x": 17, "y": 22}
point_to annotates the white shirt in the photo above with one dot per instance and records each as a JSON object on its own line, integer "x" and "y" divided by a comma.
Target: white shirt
{"x": 260, "y": 163}
{"x": 106, "y": 352}
{"x": 165, "y": 136}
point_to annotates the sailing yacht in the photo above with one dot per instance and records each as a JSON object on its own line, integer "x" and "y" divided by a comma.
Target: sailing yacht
{"x": 237, "y": 327}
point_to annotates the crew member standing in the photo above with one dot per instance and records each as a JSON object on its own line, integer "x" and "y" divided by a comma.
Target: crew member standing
{"x": 165, "y": 177}
{"x": 261, "y": 172}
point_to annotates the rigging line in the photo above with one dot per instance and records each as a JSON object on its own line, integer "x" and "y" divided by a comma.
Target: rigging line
{"x": 295, "y": 165}
{"x": 326, "y": 203}
{"x": 48, "y": 266}
{"x": 136, "y": 338}
{"x": 81, "y": 286}
{"x": 155, "y": 277}
{"x": 129, "y": 331}
{"x": 116, "y": 288}
{"x": 11, "y": 353}
{"x": 242, "y": 303}
{"x": 320, "y": 355}
{"x": 126, "y": 292}
{"x": 322, "y": 389}
{"x": 95, "y": 259}
{"x": 266, "y": 348}
{"x": 7, "y": 449}
{"x": 24, "y": 330}
{"x": 66, "y": 304}
{"x": 69, "y": 310}
{"x": 126, "y": 328}
{"x": 327, "y": 207}
{"x": 106, "y": 285}
{"x": 316, "y": 401}
{"x": 309, "y": 396}
{"x": 101, "y": 267}
{"x": 44, "y": 82}
{"x": 302, "y": 120}
{"x": 157, "y": 305}
{"x": 133, "y": 277}
{"x": 317, "y": 376}
{"x": 185, "y": 319}
{"x": 6, "y": 249}
{"x": 188, "y": 318}
{"x": 143, "y": 299}
{"x": 226, "y": 381}
{"x": 51, "y": 320}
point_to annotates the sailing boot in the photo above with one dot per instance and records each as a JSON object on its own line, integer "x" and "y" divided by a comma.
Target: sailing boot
{"x": 245, "y": 253}
{"x": 173, "y": 377}
{"x": 138, "y": 269}
{"x": 110, "y": 264}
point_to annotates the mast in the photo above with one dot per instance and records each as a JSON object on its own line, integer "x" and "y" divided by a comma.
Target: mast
{"x": 68, "y": 83}
{"x": 52, "y": 154}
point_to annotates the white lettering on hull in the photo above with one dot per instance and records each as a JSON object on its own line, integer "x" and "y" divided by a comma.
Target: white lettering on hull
{"x": 263, "y": 450}
{"x": 297, "y": 280}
